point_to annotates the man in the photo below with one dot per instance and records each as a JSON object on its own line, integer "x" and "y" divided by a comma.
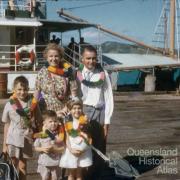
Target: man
{"x": 97, "y": 96}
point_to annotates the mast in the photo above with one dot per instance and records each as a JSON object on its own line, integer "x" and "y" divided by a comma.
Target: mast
{"x": 165, "y": 33}
{"x": 172, "y": 28}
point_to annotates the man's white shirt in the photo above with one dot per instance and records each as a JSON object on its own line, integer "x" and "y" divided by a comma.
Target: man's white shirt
{"x": 100, "y": 96}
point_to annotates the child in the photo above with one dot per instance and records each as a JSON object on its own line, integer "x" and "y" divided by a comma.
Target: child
{"x": 78, "y": 154}
{"x": 49, "y": 143}
{"x": 21, "y": 116}
{"x": 56, "y": 82}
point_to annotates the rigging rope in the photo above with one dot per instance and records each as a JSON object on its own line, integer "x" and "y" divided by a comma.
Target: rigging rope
{"x": 156, "y": 27}
{"x": 91, "y": 5}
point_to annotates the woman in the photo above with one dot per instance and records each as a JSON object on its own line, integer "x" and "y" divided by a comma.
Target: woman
{"x": 56, "y": 82}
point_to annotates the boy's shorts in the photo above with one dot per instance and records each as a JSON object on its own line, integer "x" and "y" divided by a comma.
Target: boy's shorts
{"x": 18, "y": 152}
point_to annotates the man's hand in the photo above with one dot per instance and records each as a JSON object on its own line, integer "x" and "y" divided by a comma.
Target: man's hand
{"x": 106, "y": 128}
{"x": 62, "y": 113}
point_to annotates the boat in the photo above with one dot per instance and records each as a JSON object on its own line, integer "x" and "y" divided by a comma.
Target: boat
{"x": 155, "y": 70}
{"x": 25, "y": 31}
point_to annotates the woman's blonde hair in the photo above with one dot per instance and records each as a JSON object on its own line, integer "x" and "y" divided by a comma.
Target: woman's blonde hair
{"x": 53, "y": 46}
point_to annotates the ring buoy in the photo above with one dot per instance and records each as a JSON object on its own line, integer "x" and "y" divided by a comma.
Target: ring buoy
{"x": 29, "y": 51}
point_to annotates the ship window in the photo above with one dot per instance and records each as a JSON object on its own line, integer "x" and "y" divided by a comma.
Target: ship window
{"x": 20, "y": 33}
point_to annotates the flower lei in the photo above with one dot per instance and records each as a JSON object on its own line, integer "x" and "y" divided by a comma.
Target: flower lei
{"x": 26, "y": 113}
{"x": 46, "y": 133}
{"x": 69, "y": 126}
{"x": 91, "y": 83}
{"x": 65, "y": 71}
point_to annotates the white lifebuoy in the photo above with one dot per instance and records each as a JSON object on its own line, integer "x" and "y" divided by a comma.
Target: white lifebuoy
{"x": 29, "y": 51}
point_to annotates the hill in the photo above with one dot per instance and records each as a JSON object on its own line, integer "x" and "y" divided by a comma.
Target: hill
{"x": 116, "y": 47}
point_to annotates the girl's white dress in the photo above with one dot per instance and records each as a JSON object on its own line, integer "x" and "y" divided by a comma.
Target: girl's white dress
{"x": 68, "y": 160}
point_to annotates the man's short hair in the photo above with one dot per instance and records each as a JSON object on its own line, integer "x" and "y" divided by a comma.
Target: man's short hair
{"x": 88, "y": 48}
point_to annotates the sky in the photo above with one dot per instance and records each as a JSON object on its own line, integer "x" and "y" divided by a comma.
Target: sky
{"x": 134, "y": 18}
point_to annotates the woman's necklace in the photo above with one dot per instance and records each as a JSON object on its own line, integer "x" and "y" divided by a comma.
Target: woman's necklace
{"x": 60, "y": 71}
{"x": 64, "y": 72}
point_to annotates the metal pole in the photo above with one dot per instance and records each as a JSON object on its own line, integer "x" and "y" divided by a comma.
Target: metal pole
{"x": 172, "y": 27}
{"x": 165, "y": 33}
{"x": 34, "y": 43}
{"x": 61, "y": 38}
{"x": 79, "y": 45}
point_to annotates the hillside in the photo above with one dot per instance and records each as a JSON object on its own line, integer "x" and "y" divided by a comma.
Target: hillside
{"x": 116, "y": 47}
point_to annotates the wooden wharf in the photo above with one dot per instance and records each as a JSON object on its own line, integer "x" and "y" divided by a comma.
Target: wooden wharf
{"x": 140, "y": 123}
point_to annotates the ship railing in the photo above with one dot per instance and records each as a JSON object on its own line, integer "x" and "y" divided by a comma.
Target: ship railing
{"x": 74, "y": 55}
{"x": 22, "y": 5}
{"x": 40, "y": 60}
{"x": 3, "y": 6}
{"x": 8, "y": 57}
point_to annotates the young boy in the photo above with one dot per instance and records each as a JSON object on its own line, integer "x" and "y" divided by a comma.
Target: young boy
{"x": 49, "y": 143}
{"x": 21, "y": 116}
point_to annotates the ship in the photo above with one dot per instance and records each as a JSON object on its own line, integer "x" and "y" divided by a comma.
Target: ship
{"x": 25, "y": 32}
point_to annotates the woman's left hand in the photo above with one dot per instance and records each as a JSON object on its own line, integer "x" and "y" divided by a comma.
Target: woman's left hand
{"x": 62, "y": 113}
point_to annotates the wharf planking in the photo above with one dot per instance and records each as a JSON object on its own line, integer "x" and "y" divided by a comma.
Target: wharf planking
{"x": 147, "y": 123}
{"x": 142, "y": 123}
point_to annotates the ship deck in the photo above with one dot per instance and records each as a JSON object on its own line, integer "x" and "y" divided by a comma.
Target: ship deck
{"x": 141, "y": 124}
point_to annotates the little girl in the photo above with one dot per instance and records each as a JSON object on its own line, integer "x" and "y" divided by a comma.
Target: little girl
{"x": 21, "y": 116}
{"x": 78, "y": 154}
{"x": 50, "y": 144}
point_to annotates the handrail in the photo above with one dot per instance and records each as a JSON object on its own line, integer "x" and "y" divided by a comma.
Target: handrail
{"x": 20, "y": 6}
{"x": 8, "y": 56}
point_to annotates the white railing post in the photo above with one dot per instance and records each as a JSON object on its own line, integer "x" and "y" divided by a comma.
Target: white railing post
{"x": 1, "y": 4}
{"x": 15, "y": 49}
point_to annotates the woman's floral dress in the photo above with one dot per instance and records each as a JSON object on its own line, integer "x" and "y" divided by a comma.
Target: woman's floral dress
{"x": 55, "y": 89}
